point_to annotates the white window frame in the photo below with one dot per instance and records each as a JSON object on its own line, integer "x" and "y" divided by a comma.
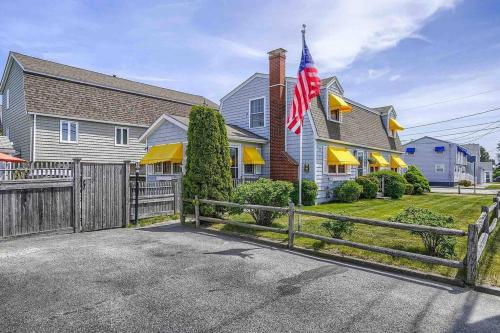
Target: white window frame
{"x": 128, "y": 136}
{"x": 257, "y": 168}
{"x": 334, "y": 120}
{"x": 439, "y": 165}
{"x": 162, "y": 172}
{"x": 7, "y": 99}
{"x": 250, "y": 112}
{"x": 69, "y": 122}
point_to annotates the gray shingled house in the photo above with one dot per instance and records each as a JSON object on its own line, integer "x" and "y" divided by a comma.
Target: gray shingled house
{"x": 342, "y": 139}
{"x": 55, "y": 112}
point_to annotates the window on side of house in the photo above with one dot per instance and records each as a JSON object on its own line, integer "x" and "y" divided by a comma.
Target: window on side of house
{"x": 121, "y": 136}
{"x": 337, "y": 169}
{"x": 439, "y": 168}
{"x": 167, "y": 168}
{"x": 335, "y": 115}
{"x": 68, "y": 131}
{"x": 257, "y": 113}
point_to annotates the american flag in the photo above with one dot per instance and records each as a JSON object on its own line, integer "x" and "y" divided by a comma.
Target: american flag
{"x": 307, "y": 87}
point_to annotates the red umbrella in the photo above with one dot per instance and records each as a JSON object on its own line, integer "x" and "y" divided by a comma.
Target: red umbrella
{"x": 8, "y": 158}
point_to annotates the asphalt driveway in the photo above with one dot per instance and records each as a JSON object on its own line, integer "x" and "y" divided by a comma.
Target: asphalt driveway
{"x": 175, "y": 279}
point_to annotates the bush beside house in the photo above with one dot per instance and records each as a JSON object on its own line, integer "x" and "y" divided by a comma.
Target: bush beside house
{"x": 416, "y": 178}
{"x": 263, "y": 192}
{"x": 465, "y": 183}
{"x": 208, "y": 173}
{"x": 394, "y": 183}
{"x": 309, "y": 192}
{"x": 348, "y": 191}
{"x": 370, "y": 187}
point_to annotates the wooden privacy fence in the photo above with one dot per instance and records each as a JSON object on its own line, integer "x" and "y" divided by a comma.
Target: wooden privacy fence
{"x": 476, "y": 239}
{"x": 35, "y": 170}
{"x": 154, "y": 198}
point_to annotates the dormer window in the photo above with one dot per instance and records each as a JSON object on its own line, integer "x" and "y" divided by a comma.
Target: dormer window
{"x": 335, "y": 115}
{"x": 394, "y": 127}
{"x": 256, "y": 117}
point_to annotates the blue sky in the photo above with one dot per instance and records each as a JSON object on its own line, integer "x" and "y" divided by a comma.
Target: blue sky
{"x": 405, "y": 53}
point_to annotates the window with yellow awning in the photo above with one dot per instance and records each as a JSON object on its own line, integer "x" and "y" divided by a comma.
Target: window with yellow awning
{"x": 379, "y": 160}
{"x": 397, "y": 162}
{"x": 171, "y": 152}
{"x": 394, "y": 125}
{"x": 337, "y": 103}
{"x": 340, "y": 156}
{"x": 251, "y": 155}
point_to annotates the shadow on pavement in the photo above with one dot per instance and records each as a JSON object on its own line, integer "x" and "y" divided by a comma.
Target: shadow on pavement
{"x": 179, "y": 228}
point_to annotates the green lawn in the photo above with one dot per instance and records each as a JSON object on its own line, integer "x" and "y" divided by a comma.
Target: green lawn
{"x": 464, "y": 208}
{"x": 152, "y": 220}
{"x": 493, "y": 186}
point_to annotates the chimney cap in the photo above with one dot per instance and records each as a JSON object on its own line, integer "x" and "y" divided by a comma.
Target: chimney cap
{"x": 277, "y": 52}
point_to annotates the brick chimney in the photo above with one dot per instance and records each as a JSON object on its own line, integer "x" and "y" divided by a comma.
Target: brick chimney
{"x": 283, "y": 167}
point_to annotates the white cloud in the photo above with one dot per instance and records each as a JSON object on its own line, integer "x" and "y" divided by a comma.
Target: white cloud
{"x": 377, "y": 73}
{"x": 395, "y": 77}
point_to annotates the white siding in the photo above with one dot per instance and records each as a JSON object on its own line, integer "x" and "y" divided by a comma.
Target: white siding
{"x": 235, "y": 108}
{"x": 167, "y": 133}
{"x": 96, "y": 143}
{"x": 15, "y": 117}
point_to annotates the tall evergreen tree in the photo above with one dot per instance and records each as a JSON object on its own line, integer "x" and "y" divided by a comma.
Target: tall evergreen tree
{"x": 208, "y": 173}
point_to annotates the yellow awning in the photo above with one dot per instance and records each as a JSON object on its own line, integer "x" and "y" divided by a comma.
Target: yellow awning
{"x": 171, "y": 152}
{"x": 397, "y": 162}
{"x": 380, "y": 161}
{"x": 252, "y": 156}
{"x": 336, "y": 102}
{"x": 394, "y": 125}
{"x": 340, "y": 156}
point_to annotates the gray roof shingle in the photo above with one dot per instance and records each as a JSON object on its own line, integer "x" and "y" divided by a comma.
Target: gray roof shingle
{"x": 359, "y": 126}
{"x": 40, "y": 66}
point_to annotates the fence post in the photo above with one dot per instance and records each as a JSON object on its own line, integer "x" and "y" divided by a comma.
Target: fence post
{"x": 486, "y": 224}
{"x": 77, "y": 194}
{"x": 126, "y": 206}
{"x": 458, "y": 188}
{"x": 196, "y": 211}
{"x": 471, "y": 258}
{"x": 181, "y": 203}
{"x": 136, "y": 199}
{"x": 291, "y": 217}
{"x": 496, "y": 211}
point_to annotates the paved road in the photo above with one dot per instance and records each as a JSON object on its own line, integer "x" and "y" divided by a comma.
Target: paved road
{"x": 463, "y": 190}
{"x": 173, "y": 279}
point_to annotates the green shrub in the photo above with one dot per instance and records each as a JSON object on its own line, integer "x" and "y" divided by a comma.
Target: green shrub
{"x": 409, "y": 189}
{"x": 415, "y": 177}
{"x": 348, "y": 191}
{"x": 309, "y": 192}
{"x": 435, "y": 245}
{"x": 465, "y": 183}
{"x": 263, "y": 192}
{"x": 394, "y": 183}
{"x": 208, "y": 161}
{"x": 370, "y": 187}
{"x": 338, "y": 229}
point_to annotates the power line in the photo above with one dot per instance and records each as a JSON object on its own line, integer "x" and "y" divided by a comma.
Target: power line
{"x": 451, "y": 119}
{"x": 462, "y": 134}
{"x": 450, "y": 100}
{"x": 465, "y": 132}
{"x": 448, "y": 129}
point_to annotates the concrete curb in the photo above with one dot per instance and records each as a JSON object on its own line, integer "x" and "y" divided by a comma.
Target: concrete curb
{"x": 487, "y": 290}
{"x": 346, "y": 259}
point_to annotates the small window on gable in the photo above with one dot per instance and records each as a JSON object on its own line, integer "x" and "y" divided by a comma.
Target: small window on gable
{"x": 335, "y": 115}
{"x": 68, "y": 131}
{"x": 121, "y": 136}
{"x": 256, "y": 113}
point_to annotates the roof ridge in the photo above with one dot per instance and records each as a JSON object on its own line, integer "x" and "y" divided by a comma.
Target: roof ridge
{"x": 112, "y": 76}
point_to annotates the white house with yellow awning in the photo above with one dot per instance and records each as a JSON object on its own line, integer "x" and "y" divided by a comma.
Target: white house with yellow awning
{"x": 166, "y": 142}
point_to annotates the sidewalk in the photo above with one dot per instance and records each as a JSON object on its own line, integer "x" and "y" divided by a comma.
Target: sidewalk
{"x": 463, "y": 190}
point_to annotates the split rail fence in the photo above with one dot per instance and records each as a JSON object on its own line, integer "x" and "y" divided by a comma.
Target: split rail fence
{"x": 477, "y": 234}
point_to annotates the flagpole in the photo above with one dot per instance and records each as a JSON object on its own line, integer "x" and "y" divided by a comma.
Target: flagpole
{"x": 300, "y": 145}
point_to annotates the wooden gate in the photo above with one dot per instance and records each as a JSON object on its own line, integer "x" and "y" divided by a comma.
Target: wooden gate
{"x": 104, "y": 195}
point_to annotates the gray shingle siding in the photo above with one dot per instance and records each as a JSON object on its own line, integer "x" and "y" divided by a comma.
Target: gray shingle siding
{"x": 96, "y": 142}
{"x": 15, "y": 119}
{"x": 235, "y": 108}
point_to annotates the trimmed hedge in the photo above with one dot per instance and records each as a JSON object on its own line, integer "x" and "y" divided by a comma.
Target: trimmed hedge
{"x": 415, "y": 177}
{"x": 465, "y": 183}
{"x": 348, "y": 191}
{"x": 395, "y": 184}
{"x": 370, "y": 187}
{"x": 263, "y": 192}
{"x": 309, "y": 192}
{"x": 208, "y": 173}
